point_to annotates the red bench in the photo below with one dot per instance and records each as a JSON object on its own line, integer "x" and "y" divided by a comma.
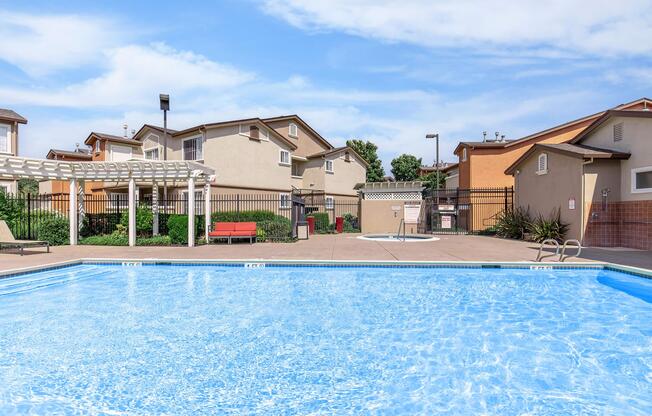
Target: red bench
{"x": 231, "y": 230}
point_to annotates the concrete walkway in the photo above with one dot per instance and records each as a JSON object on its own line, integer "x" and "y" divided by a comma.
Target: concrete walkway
{"x": 330, "y": 247}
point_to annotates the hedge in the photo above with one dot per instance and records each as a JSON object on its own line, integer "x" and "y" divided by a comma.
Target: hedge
{"x": 55, "y": 230}
{"x": 122, "y": 240}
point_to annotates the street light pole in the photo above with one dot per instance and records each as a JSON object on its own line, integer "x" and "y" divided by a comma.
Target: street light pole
{"x": 436, "y": 137}
{"x": 164, "y": 100}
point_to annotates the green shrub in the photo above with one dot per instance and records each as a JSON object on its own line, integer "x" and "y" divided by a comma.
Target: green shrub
{"x": 351, "y": 224}
{"x": 322, "y": 221}
{"x": 277, "y": 230}
{"x": 105, "y": 240}
{"x": 548, "y": 228}
{"x": 244, "y": 216}
{"x": 159, "y": 240}
{"x": 261, "y": 235}
{"x": 144, "y": 220}
{"x": 178, "y": 229}
{"x": 10, "y": 209}
{"x": 55, "y": 230}
{"x": 513, "y": 223}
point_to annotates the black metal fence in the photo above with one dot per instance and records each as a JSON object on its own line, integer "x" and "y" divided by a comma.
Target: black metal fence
{"x": 101, "y": 214}
{"x": 464, "y": 211}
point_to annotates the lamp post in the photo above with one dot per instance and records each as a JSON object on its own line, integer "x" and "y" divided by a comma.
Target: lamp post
{"x": 164, "y": 100}
{"x": 436, "y": 205}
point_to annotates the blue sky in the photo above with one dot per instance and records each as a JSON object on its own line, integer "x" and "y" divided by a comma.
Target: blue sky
{"x": 385, "y": 70}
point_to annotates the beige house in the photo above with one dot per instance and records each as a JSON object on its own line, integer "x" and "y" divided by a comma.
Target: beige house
{"x": 601, "y": 181}
{"x": 9, "y": 121}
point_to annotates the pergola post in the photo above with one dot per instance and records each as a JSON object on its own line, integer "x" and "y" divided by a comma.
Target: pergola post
{"x": 155, "y": 229}
{"x": 207, "y": 210}
{"x": 191, "y": 211}
{"x": 132, "y": 212}
{"x": 72, "y": 207}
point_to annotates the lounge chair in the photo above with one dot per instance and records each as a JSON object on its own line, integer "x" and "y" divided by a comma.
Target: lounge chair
{"x": 7, "y": 240}
{"x": 231, "y": 230}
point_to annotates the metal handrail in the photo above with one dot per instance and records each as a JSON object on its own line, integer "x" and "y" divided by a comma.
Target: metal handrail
{"x": 576, "y": 243}
{"x": 540, "y": 256}
{"x": 398, "y": 233}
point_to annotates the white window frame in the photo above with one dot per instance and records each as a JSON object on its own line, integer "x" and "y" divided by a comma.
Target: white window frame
{"x": 463, "y": 158}
{"x": 332, "y": 163}
{"x": 292, "y": 172}
{"x": 158, "y": 153}
{"x": 4, "y": 188}
{"x": 282, "y": 152}
{"x": 97, "y": 146}
{"x": 284, "y": 203}
{"x": 544, "y": 157}
{"x": 329, "y": 202}
{"x": 199, "y": 208}
{"x": 131, "y": 151}
{"x": 8, "y": 150}
{"x": 636, "y": 190}
{"x": 296, "y": 130}
{"x": 183, "y": 150}
{"x": 123, "y": 200}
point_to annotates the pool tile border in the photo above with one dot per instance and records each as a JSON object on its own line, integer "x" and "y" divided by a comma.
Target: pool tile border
{"x": 275, "y": 263}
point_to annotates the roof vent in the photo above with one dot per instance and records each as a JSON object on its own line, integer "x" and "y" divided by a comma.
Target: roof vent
{"x": 125, "y": 127}
{"x": 484, "y": 136}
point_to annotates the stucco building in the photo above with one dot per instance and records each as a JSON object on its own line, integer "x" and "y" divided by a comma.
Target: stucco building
{"x": 601, "y": 181}
{"x": 9, "y": 121}
{"x": 482, "y": 164}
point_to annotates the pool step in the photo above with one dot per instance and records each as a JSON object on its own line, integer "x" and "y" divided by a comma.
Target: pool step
{"x": 10, "y": 286}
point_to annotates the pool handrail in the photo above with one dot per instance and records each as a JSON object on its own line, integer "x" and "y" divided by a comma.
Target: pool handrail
{"x": 576, "y": 243}
{"x": 545, "y": 242}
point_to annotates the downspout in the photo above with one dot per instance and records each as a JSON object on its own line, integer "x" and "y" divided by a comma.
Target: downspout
{"x": 583, "y": 202}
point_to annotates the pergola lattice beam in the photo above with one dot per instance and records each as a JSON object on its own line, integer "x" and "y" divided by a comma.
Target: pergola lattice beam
{"x": 13, "y": 167}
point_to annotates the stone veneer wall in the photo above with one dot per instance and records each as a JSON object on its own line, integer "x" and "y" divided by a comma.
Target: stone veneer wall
{"x": 622, "y": 224}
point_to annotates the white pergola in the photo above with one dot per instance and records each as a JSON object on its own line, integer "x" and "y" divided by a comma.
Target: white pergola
{"x": 13, "y": 168}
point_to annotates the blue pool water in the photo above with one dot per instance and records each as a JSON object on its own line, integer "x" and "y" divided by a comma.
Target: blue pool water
{"x": 229, "y": 340}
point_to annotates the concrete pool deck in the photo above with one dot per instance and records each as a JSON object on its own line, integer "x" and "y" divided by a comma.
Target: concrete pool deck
{"x": 330, "y": 247}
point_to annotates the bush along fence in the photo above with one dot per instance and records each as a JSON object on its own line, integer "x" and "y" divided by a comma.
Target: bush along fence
{"x": 103, "y": 219}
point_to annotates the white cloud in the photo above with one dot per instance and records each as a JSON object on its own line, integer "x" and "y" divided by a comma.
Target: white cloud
{"x": 134, "y": 77}
{"x": 40, "y": 44}
{"x": 546, "y": 28}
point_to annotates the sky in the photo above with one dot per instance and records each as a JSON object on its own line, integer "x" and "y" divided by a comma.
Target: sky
{"x": 388, "y": 71}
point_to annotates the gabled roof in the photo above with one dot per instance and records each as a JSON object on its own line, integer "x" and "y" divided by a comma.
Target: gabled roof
{"x": 339, "y": 150}
{"x": 110, "y": 137}
{"x": 233, "y": 122}
{"x": 11, "y": 115}
{"x": 573, "y": 150}
{"x": 303, "y": 124}
{"x": 79, "y": 153}
{"x": 608, "y": 115}
{"x": 509, "y": 143}
{"x": 153, "y": 127}
{"x": 443, "y": 169}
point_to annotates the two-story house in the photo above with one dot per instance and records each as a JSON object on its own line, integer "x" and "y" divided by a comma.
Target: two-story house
{"x": 482, "y": 164}
{"x": 600, "y": 182}
{"x": 9, "y": 121}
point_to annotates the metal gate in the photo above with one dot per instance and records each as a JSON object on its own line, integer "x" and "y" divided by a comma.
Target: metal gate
{"x": 464, "y": 211}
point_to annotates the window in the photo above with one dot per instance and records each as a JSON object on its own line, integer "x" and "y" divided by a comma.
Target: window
{"x": 284, "y": 157}
{"x": 4, "y": 189}
{"x": 542, "y": 164}
{"x": 284, "y": 201}
{"x": 254, "y": 133}
{"x": 642, "y": 180}
{"x": 329, "y": 202}
{"x": 97, "y": 146}
{"x": 151, "y": 154}
{"x": 297, "y": 169}
{"x": 329, "y": 166}
{"x": 118, "y": 200}
{"x": 618, "y": 132}
{"x": 464, "y": 154}
{"x": 5, "y": 138}
{"x": 192, "y": 149}
{"x": 293, "y": 130}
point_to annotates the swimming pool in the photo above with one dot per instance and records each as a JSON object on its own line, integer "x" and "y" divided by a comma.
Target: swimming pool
{"x": 325, "y": 340}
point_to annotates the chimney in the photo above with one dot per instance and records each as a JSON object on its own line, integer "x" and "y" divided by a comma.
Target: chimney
{"x": 484, "y": 136}
{"x": 502, "y": 138}
{"x": 497, "y": 134}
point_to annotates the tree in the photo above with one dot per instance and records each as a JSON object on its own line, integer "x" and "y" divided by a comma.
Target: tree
{"x": 406, "y": 167}
{"x": 369, "y": 152}
{"x": 27, "y": 186}
{"x": 430, "y": 180}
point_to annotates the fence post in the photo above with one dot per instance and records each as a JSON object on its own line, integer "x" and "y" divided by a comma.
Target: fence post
{"x": 506, "y": 199}
{"x": 29, "y": 215}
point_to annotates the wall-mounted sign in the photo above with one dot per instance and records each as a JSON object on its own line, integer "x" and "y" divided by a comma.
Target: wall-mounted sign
{"x": 411, "y": 213}
{"x": 446, "y": 221}
{"x": 447, "y": 207}
{"x": 571, "y": 203}
{"x": 396, "y": 207}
